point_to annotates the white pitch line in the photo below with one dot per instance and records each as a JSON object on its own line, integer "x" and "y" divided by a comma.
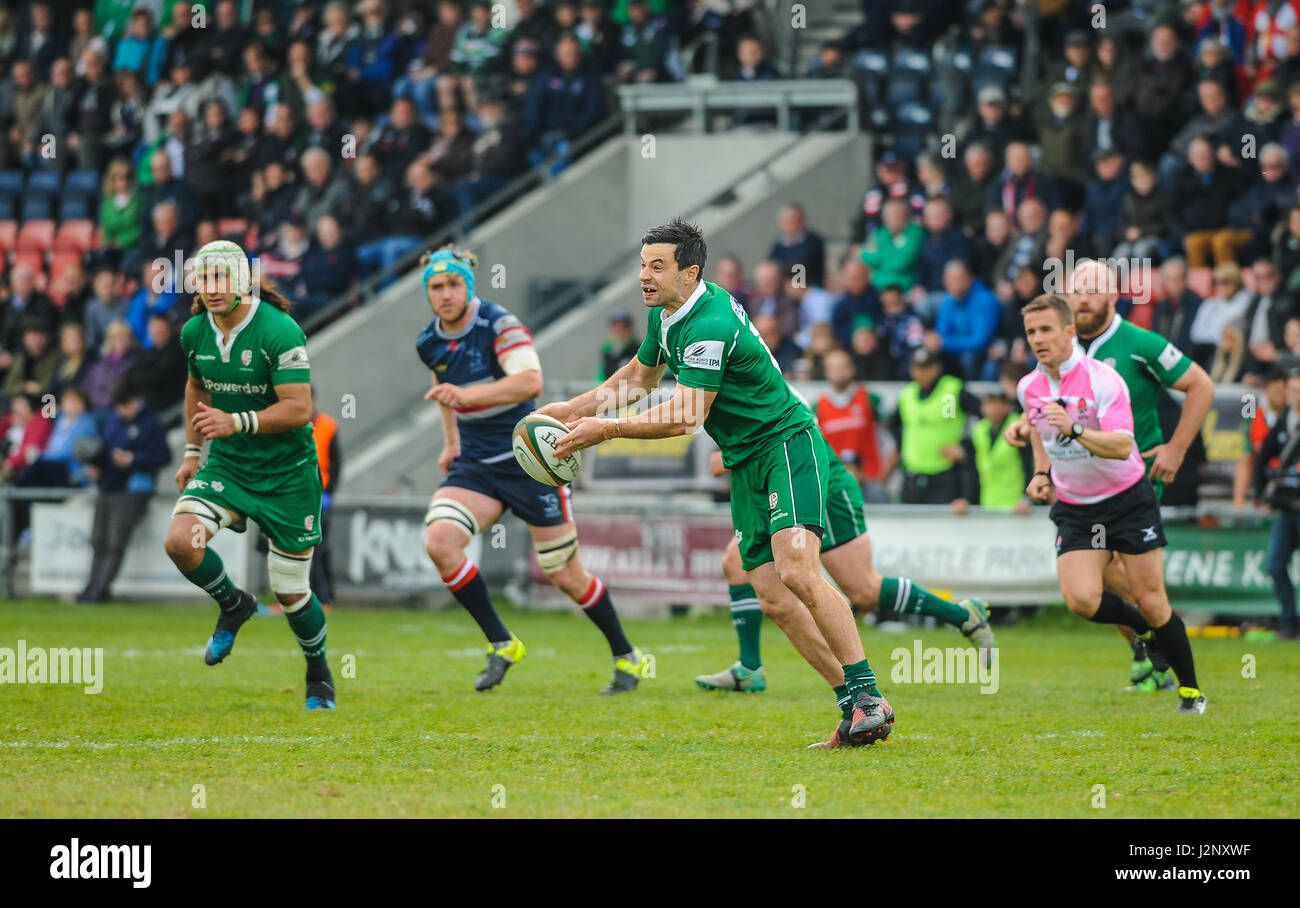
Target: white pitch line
{"x": 173, "y": 742}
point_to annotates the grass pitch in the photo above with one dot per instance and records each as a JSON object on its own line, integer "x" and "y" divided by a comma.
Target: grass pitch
{"x": 412, "y": 738}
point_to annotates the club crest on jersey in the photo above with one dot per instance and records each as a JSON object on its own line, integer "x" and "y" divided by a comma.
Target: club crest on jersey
{"x": 771, "y": 500}
{"x": 246, "y": 357}
{"x": 308, "y": 521}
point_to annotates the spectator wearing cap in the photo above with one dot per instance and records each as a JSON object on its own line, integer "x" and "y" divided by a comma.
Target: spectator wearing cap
{"x": 967, "y": 319}
{"x": 1107, "y": 127}
{"x": 1103, "y": 199}
{"x": 1002, "y": 471}
{"x": 797, "y": 245}
{"x": 24, "y": 433}
{"x": 992, "y": 127}
{"x": 1164, "y": 77}
{"x": 1255, "y": 213}
{"x": 857, "y": 299}
{"x": 943, "y": 243}
{"x": 1061, "y": 134}
{"x": 1264, "y": 114}
{"x": 1143, "y": 215}
{"x": 1074, "y": 71}
{"x": 25, "y": 304}
{"x": 32, "y": 370}
{"x": 1021, "y": 180}
{"x": 134, "y": 449}
{"x": 620, "y": 347}
{"x": 565, "y": 100}
{"x": 645, "y": 45}
{"x": 893, "y": 250}
{"x": 601, "y": 38}
{"x": 929, "y": 433}
{"x": 1198, "y": 207}
{"x": 970, "y": 190}
{"x": 891, "y": 183}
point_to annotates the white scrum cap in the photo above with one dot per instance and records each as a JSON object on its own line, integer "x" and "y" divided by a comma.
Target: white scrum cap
{"x": 229, "y": 257}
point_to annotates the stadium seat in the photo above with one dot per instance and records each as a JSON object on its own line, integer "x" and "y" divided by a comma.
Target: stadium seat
{"x": 873, "y": 71}
{"x": 11, "y": 182}
{"x": 75, "y": 206}
{"x": 74, "y": 236}
{"x": 909, "y": 76}
{"x": 8, "y": 234}
{"x": 996, "y": 65}
{"x": 38, "y": 207}
{"x": 912, "y": 125}
{"x": 85, "y": 182}
{"x": 35, "y": 236}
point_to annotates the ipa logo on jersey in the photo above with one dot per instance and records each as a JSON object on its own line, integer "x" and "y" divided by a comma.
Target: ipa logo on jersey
{"x": 703, "y": 355}
{"x": 294, "y": 358}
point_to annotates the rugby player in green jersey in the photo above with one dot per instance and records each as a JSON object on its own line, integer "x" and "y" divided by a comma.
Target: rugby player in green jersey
{"x": 729, "y": 385}
{"x": 249, "y": 394}
{"x": 1148, "y": 363}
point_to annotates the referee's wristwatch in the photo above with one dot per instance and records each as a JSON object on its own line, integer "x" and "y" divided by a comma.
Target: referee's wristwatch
{"x": 1076, "y": 430}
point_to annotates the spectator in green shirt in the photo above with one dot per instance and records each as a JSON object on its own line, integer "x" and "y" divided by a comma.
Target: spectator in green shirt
{"x": 119, "y": 210}
{"x": 893, "y": 249}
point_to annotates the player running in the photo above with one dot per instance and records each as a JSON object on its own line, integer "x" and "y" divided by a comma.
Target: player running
{"x": 846, "y": 555}
{"x": 728, "y": 382}
{"x": 1148, "y": 363}
{"x": 486, "y": 374}
{"x": 249, "y": 393}
{"x": 1082, "y": 436}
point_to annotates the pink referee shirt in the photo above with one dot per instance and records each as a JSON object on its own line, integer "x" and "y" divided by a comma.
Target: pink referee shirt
{"x": 1094, "y": 395}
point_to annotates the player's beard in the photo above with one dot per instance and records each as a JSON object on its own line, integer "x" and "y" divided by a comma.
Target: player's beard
{"x": 1091, "y": 323}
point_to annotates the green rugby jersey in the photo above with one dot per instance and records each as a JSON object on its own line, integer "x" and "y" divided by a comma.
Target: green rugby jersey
{"x": 266, "y": 349}
{"x": 1147, "y": 362}
{"x": 710, "y": 344}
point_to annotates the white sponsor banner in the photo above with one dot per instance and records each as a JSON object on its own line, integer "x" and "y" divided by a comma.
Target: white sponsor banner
{"x": 1008, "y": 559}
{"x": 61, "y": 552}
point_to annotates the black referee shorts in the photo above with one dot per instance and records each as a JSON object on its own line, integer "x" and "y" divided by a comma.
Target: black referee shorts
{"x": 1128, "y": 523}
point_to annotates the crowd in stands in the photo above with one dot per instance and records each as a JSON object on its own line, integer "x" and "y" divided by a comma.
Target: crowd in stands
{"x": 328, "y": 138}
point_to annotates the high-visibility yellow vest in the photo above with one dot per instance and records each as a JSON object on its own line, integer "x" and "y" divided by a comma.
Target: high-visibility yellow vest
{"x": 930, "y": 424}
{"x": 1001, "y": 471}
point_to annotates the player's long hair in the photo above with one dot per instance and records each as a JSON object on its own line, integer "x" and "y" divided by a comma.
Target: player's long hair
{"x": 267, "y": 291}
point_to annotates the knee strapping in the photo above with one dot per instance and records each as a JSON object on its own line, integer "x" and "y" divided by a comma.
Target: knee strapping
{"x": 453, "y": 511}
{"x": 212, "y": 517}
{"x": 290, "y": 574}
{"x": 553, "y": 554}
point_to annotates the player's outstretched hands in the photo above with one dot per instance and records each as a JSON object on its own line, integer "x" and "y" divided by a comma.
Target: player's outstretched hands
{"x": 1017, "y": 433}
{"x": 583, "y": 433}
{"x": 213, "y": 423}
{"x": 559, "y": 410}
{"x": 189, "y": 467}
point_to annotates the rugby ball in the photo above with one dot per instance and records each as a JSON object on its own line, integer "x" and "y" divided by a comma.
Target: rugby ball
{"x": 534, "y": 441}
